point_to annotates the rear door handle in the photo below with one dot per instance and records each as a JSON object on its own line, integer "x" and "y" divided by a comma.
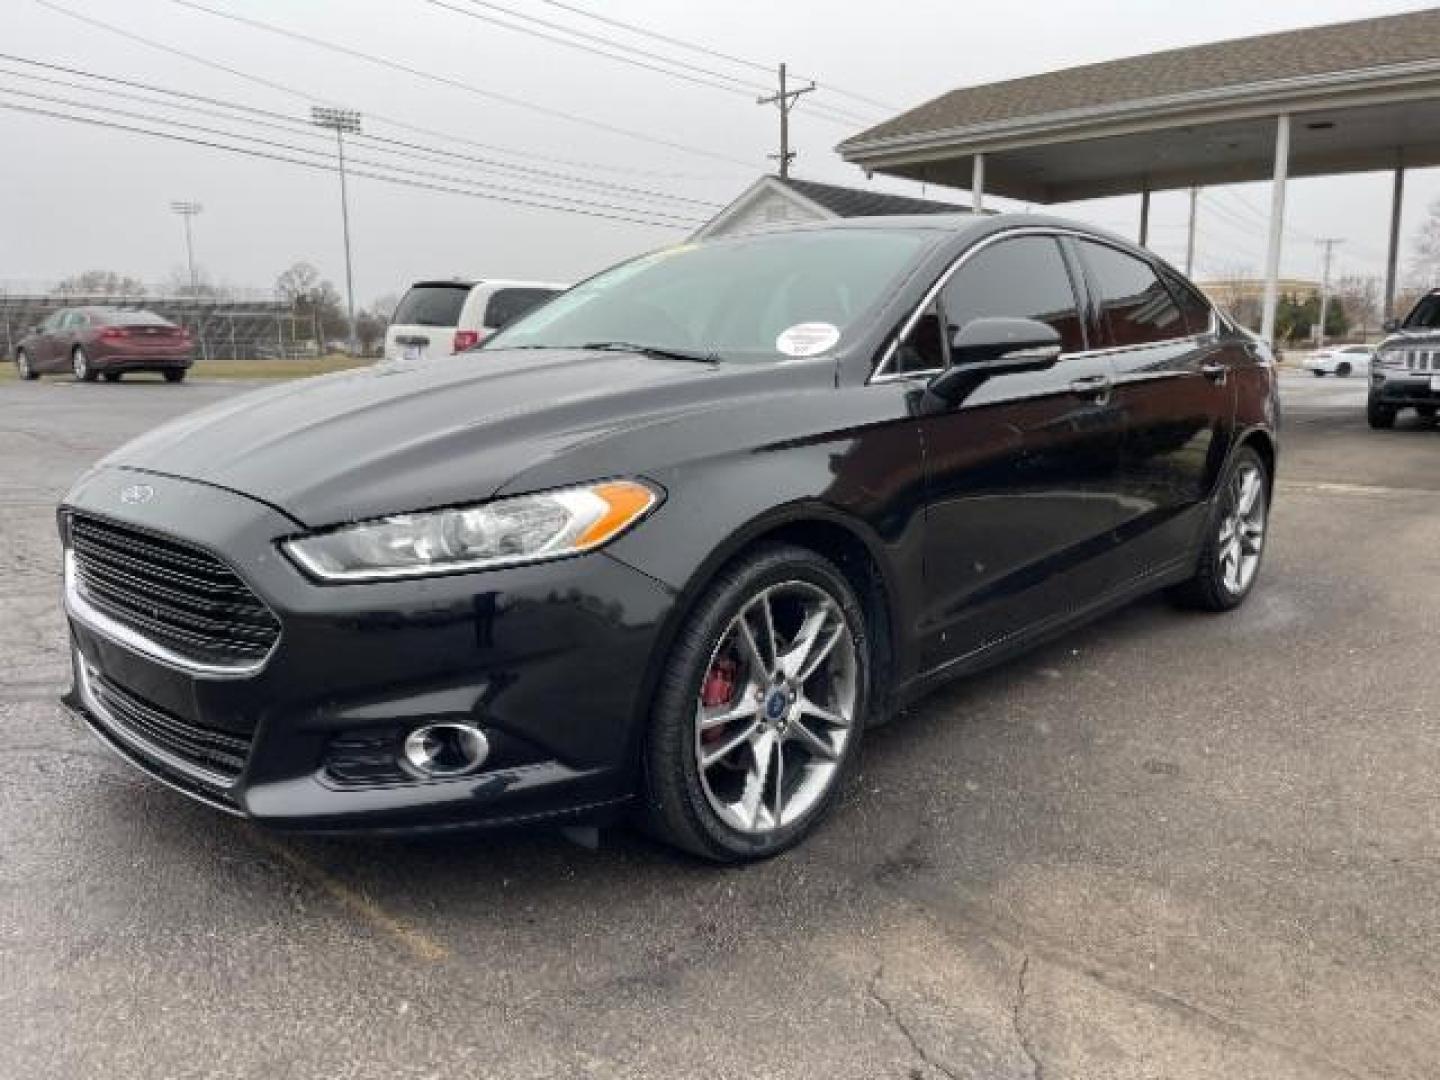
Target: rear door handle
{"x": 1216, "y": 373}
{"x": 1095, "y": 387}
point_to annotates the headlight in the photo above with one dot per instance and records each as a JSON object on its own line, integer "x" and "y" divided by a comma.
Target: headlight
{"x": 523, "y": 529}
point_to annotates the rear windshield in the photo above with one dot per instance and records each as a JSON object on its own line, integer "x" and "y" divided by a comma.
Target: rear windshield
{"x": 507, "y": 305}
{"x": 432, "y": 305}
{"x": 1426, "y": 315}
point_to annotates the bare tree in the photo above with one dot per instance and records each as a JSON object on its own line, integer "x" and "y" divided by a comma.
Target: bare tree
{"x": 1425, "y": 263}
{"x": 100, "y": 283}
{"x": 383, "y": 307}
{"x": 1359, "y": 295}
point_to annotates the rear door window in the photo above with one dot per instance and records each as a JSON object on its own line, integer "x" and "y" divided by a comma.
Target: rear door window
{"x": 1134, "y": 303}
{"x": 432, "y": 305}
{"x": 507, "y": 305}
{"x": 1194, "y": 308}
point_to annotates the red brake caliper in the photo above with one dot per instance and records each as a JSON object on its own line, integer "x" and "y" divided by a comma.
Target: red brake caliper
{"x": 718, "y": 689}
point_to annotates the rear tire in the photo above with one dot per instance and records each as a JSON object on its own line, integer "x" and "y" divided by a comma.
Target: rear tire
{"x": 1343, "y": 371}
{"x": 1427, "y": 413}
{"x": 749, "y": 746}
{"x": 1317, "y": 373}
{"x": 23, "y": 368}
{"x": 1234, "y": 543}
{"x": 175, "y": 375}
{"x": 80, "y": 365}
{"x": 110, "y": 376}
{"x": 1381, "y": 417}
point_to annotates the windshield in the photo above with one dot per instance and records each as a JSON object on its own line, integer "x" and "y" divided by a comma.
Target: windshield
{"x": 1426, "y": 315}
{"x": 766, "y": 297}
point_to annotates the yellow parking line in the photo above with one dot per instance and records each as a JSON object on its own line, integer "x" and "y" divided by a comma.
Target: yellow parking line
{"x": 416, "y": 942}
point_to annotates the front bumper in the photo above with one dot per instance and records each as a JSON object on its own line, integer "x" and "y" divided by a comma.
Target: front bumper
{"x": 549, "y": 660}
{"x": 1402, "y": 391}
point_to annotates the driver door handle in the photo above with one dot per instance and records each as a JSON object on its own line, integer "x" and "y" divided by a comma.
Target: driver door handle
{"x": 1094, "y": 387}
{"x": 1216, "y": 373}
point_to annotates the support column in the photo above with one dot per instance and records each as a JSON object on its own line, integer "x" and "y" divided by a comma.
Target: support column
{"x": 1190, "y": 235}
{"x": 1392, "y": 258}
{"x": 1145, "y": 213}
{"x": 977, "y": 183}
{"x": 1277, "y": 225}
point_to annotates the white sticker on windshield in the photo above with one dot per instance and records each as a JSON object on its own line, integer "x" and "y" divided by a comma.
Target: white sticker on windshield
{"x": 807, "y": 338}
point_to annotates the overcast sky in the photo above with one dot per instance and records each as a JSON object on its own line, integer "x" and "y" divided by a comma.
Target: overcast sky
{"x": 76, "y": 197}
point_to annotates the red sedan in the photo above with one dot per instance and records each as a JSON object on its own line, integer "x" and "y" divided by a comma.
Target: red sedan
{"x": 92, "y": 342}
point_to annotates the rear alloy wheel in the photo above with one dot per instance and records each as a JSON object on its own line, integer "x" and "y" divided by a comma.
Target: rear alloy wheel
{"x": 1235, "y": 538}
{"x": 1379, "y": 416}
{"x": 760, "y": 710}
{"x": 23, "y": 368}
{"x": 80, "y": 365}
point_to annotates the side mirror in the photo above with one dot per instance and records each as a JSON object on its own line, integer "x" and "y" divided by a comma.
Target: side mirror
{"x": 1390, "y": 325}
{"x": 985, "y": 347}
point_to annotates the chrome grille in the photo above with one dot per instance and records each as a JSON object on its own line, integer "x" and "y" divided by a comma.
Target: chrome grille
{"x": 171, "y": 593}
{"x": 221, "y": 754}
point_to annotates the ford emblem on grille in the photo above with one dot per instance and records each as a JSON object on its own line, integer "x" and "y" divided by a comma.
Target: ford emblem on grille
{"x": 137, "y": 493}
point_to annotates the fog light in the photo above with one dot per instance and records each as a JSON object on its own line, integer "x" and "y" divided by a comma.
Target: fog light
{"x": 449, "y": 749}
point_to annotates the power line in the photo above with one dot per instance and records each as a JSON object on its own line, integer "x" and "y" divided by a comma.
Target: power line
{"x": 294, "y": 125}
{"x": 444, "y": 80}
{"x": 736, "y": 86}
{"x": 430, "y": 182}
{"x": 708, "y": 51}
{"x": 310, "y": 97}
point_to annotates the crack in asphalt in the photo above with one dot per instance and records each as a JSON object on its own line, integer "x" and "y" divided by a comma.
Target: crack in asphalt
{"x": 1017, "y": 1021}
{"x": 873, "y": 990}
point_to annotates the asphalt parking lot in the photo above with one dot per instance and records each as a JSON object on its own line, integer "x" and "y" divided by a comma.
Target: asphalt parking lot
{"x": 1170, "y": 845}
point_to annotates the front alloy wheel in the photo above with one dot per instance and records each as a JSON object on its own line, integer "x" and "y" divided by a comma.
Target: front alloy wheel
{"x": 761, "y": 709}
{"x": 23, "y": 368}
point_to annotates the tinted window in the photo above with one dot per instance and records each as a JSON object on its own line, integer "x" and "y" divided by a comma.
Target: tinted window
{"x": 1426, "y": 315}
{"x": 507, "y": 305}
{"x": 1194, "y": 308}
{"x": 763, "y": 297}
{"x": 922, "y": 349}
{"x": 1025, "y": 278}
{"x": 1133, "y": 302}
{"x": 432, "y": 305}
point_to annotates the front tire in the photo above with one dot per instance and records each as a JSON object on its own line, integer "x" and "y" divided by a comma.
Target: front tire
{"x": 174, "y": 375}
{"x": 760, "y": 710}
{"x": 1234, "y": 538}
{"x": 1343, "y": 371}
{"x": 1380, "y": 417}
{"x": 111, "y": 376}
{"x": 23, "y": 368}
{"x": 80, "y": 365}
{"x": 1317, "y": 373}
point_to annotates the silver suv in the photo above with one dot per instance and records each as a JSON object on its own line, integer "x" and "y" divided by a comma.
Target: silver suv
{"x": 1405, "y": 373}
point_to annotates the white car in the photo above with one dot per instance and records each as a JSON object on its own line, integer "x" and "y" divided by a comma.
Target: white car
{"x": 1340, "y": 360}
{"x": 442, "y": 318}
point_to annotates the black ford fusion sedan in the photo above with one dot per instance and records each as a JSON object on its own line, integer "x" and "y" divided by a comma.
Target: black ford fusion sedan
{"x": 667, "y": 545}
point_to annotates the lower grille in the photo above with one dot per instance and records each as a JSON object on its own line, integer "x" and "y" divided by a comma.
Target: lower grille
{"x": 221, "y": 754}
{"x": 171, "y": 593}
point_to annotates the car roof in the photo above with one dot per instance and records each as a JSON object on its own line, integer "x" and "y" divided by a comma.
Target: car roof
{"x": 470, "y": 283}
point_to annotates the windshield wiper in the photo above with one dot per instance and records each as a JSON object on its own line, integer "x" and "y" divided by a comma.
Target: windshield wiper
{"x": 655, "y": 350}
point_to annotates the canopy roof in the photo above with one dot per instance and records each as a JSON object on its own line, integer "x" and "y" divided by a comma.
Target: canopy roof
{"x": 1365, "y": 95}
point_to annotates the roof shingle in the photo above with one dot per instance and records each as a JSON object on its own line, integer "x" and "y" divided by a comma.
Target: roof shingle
{"x": 1318, "y": 50}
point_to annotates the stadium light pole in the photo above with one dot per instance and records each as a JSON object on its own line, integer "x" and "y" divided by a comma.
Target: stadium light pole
{"x": 188, "y": 210}
{"x": 341, "y": 121}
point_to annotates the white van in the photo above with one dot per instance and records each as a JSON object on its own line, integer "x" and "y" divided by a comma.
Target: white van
{"x": 441, "y": 318}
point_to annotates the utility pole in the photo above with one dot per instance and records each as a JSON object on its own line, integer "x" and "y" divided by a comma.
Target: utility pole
{"x": 785, "y": 101}
{"x": 1190, "y": 236}
{"x": 1328, "y": 243}
{"x": 188, "y": 210}
{"x": 341, "y": 121}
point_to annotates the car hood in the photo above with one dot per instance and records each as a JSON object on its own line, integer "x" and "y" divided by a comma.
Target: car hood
{"x": 399, "y": 437}
{"x": 1401, "y": 338}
